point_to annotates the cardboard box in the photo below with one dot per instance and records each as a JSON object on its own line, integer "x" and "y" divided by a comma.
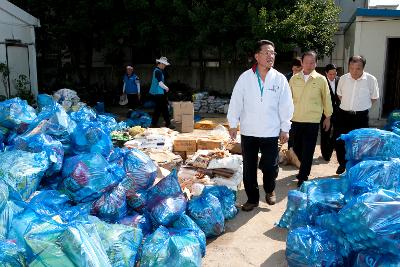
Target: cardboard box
{"x": 180, "y": 108}
{"x": 235, "y": 148}
{"x": 208, "y": 144}
{"x": 185, "y": 144}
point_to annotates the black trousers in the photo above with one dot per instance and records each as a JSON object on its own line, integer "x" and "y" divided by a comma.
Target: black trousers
{"x": 345, "y": 123}
{"x": 268, "y": 164}
{"x": 133, "y": 101}
{"x": 161, "y": 107}
{"x": 327, "y": 140}
{"x": 305, "y": 136}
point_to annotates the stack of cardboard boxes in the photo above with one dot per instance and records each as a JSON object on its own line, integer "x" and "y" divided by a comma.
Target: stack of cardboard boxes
{"x": 183, "y": 116}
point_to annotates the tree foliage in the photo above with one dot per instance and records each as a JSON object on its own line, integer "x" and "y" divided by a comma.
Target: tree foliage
{"x": 191, "y": 29}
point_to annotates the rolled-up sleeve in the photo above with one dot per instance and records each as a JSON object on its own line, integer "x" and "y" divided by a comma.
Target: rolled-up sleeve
{"x": 374, "y": 89}
{"x": 236, "y": 104}
{"x": 286, "y": 107}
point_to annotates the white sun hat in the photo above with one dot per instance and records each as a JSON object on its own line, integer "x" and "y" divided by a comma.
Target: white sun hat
{"x": 163, "y": 60}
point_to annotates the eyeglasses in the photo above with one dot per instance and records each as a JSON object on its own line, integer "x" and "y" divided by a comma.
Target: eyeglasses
{"x": 268, "y": 53}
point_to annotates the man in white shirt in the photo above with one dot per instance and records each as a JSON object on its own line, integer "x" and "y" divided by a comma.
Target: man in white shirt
{"x": 357, "y": 91}
{"x": 327, "y": 140}
{"x": 262, "y": 102}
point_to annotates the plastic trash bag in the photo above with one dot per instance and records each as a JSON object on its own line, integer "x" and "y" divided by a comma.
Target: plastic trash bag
{"x": 185, "y": 222}
{"x": 23, "y": 170}
{"x": 91, "y": 138}
{"x": 372, "y": 220}
{"x": 51, "y": 203}
{"x": 67, "y": 98}
{"x": 121, "y": 242}
{"x": 393, "y": 117}
{"x": 54, "y": 243}
{"x": 8, "y": 209}
{"x": 372, "y": 258}
{"x": 295, "y": 214}
{"x": 108, "y": 122}
{"x": 3, "y": 133}
{"x": 312, "y": 246}
{"x": 87, "y": 177}
{"x": 368, "y": 143}
{"x": 139, "y": 118}
{"x": 226, "y": 197}
{"x": 141, "y": 221}
{"x": 168, "y": 247}
{"x": 84, "y": 115}
{"x": 330, "y": 222}
{"x": 54, "y": 121}
{"x": 206, "y": 212}
{"x": 324, "y": 196}
{"x": 140, "y": 169}
{"x": 111, "y": 206}
{"x": 16, "y": 113}
{"x": 11, "y": 255}
{"x": 41, "y": 142}
{"x": 166, "y": 201}
{"x": 372, "y": 174}
{"x": 44, "y": 100}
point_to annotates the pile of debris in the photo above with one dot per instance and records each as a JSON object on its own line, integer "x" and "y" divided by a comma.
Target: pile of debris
{"x": 204, "y": 103}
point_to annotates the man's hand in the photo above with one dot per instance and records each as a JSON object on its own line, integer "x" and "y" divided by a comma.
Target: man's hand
{"x": 326, "y": 124}
{"x": 283, "y": 137}
{"x": 233, "y": 133}
{"x": 166, "y": 89}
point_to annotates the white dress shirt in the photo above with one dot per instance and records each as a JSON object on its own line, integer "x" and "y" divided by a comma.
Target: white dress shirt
{"x": 261, "y": 115}
{"x": 332, "y": 84}
{"x": 357, "y": 94}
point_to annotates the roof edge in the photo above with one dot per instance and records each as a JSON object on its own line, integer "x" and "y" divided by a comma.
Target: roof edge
{"x": 19, "y": 13}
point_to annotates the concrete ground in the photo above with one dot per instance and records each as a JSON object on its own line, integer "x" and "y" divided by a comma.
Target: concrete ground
{"x": 251, "y": 238}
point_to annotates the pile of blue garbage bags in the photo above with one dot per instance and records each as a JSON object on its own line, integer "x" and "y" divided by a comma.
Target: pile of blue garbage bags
{"x": 68, "y": 197}
{"x": 353, "y": 220}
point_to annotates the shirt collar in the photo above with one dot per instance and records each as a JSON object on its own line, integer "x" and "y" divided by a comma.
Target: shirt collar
{"x": 312, "y": 74}
{"x": 363, "y": 77}
{"x": 254, "y": 68}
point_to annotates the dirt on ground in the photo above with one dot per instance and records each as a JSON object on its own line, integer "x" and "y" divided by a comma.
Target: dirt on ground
{"x": 251, "y": 238}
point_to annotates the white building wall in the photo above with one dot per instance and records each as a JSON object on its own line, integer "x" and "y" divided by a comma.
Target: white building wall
{"x": 371, "y": 41}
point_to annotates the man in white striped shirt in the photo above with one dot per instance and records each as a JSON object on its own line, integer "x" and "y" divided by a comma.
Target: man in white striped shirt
{"x": 262, "y": 102}
{"x": 357, "y": 91}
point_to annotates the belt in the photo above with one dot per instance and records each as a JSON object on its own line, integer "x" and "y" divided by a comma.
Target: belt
{"x": 352, "y": 112}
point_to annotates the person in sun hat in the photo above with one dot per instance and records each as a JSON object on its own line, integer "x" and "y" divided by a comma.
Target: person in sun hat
{"x": 158, "y": 91}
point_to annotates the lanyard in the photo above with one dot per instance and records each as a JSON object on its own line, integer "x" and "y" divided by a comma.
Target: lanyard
{"x": 260, "y": 84}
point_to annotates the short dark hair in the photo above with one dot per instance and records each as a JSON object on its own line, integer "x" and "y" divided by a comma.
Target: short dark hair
{"x": 310, "y": 53}
{"x": 330, "y": 66}
{"x": 260, "y": 43}
{"x": 355, "y": 59}
{"x": 296, "y": 62}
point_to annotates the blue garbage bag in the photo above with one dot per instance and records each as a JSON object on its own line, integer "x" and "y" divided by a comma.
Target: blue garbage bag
{"x": 41, "y": 142}
{"x": 54, "y": 121}
{"x": 51, "y": 203}
{"x": 140, "y": 169}
{"x": 370, "y": 258}
{"x": 393, "y": 117}
{"x": 295, "y": 214}
{"x": 87, "y": 177}
{"x": 166, "y": 201}
{"x": 372, "y": 220}
{"x": 121, "y": 242}
{"x": 141, "y": 221}
{"x": 139, "y": 118}
{"x": 324, "y": 196}
{"x": 111, "y": 206}
{"x": 91, "y": 138}
{"x": 169, "y": 247}
{"x": 8, "y": 209}
{"x": 52, "y": 242}
{"x": 206, "y": 212}
{"x": 108, "y": 122}
{"x": 184, "y": 222}
{"x": 372, "y": 174}
{"x": 11, "y": 255}
{"x": 312, "y": 246}
{"x": 369, "y": 143}
{"x": 3, "y": 133}
{"x": 15, "y": 113}
{"x": 330, "y": 222}
{"x": 84, "y": 114}
{"x": 44, "y": 100}
{"x": 226, "y": 197}
{"x": 23, "y": 170}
